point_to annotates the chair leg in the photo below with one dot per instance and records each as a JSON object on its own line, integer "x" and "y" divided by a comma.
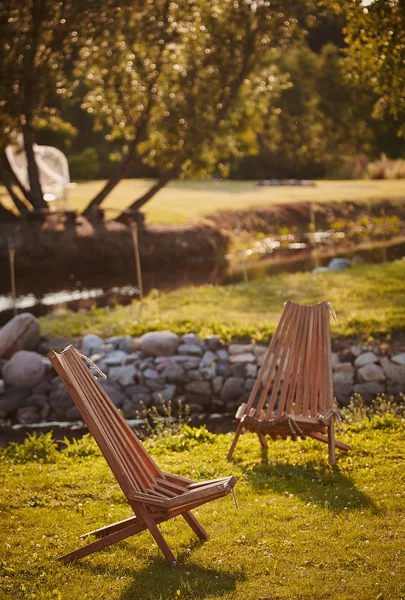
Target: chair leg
{"x": 153, "y": 528}
{"x": 103, "y": 542}
{"x": 262, "y": 439}
{"x": 235, "y": 441}
{"x": 195, "y": 526}
{"x": 331, "y": 441}
{"x": 103, "y": 531}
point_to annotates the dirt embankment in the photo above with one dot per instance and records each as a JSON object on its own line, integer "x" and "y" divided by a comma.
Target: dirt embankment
{"x": 83, "y": 247}
{"x": 271, "y": 219}
{"x": 106, "y": 247}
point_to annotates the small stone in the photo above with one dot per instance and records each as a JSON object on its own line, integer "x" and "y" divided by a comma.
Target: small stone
{"x": 13, "y": 399}
{"x": 167, "y": 394}
{"x": 199, "y": 387}
{"x": 115, "y": 358}
{"x": 365, "y": 359}
{"x": 260, "y": 354}
{"x": 174, "y": 373}
{"x": 159, "y": 343}
{"x": 61, "y": 403}
{"x": 43, "y": 387}
{"x": 194, "y": 375}
{"x": 247, "y": 357}
{"x": 222, "y": 354}
{"x": 342, "y": 391}
{"x": 28, "y": 415}
{"x": 209, "y": 371}
{"x": 394, "y": 372}
{"x": 116, "y": 396}
{"x": 344, "y": 368}
{"x": 238, "y": 370}
{"x": 355, "y": 350}
{"x": 335, "y": 359}
{"x": 233, "y": 389}
{"x": 223, "y": 369}
{"x": 240, "y": 348}
{"x": 199, "y": 399}
{"x": 123, "y": 375}
{"x": 91, "y": 344}
{"x": 190, "y": 338}
{"x": 213, "y": 342}
{"x": 38, "y": 400}
{"x": 151, "y": 374}
{"x": 190, "y": 349}
{"x": 208, "y": 358}
{"x": 142, "y": 399}
{"x": 195, "y": 408}
{"x": 153, "y": 385}
{"x": 191, "y": 365}
{"x": 131, "y": 359}
{"x": 368, "y": 391}
{"x": 136, "y": 389}
{"x": 399, "y": 359}
{"x": 249, "y": 383}
{"x": 343, "y": 377}
{"x": 251, "y": 370}
{"x": 371, "y": 372}
{"x": 126, "y": 344}
{"x": 217, "y": 384}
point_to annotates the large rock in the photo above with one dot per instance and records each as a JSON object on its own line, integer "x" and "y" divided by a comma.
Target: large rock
{"x": 233, "y": 389}
{"x": 190, "y": 338}
{"x": 371, "y": 372}
{"x": 190, "y": 349}
{"x": 24, "y": 369}
{"x": 115, "y": 358}
{"x": 399, "y": 359}
{"x": 159, "y": 343}
{"x": 27, "y": 415}
{"x": 123, "y": 375}
{"x": 244, "y": 357}
{"x": 240, "y": 348}
{"x": 202, "y": 388}
{"x": 174, "y": 373}
{"x": 21, "y": 333}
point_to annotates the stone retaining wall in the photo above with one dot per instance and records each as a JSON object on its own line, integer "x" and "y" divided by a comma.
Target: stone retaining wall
{"x": 208, "y": 375}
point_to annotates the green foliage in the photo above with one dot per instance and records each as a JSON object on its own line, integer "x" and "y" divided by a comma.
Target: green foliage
{"x": 375, "y": 37}
{"x": 187, "y": 438}
{"x": 39, "y": 448}
{"x": 386, "y": 168}
{"x": 81, "y": 448}
{"x": 85, "y": 165}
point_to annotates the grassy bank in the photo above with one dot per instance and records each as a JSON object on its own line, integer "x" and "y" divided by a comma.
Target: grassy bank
{"x": 303, "y": 531}
{"x": 183, "y": 201}
{"x": 369, "y": 300}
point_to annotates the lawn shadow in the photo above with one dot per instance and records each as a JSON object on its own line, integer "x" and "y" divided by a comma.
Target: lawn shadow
{"x": 320, "y": 484}
{"x": 161, "y": 581}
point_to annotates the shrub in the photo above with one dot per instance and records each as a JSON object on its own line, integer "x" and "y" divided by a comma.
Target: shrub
{"x": 85, "y": 165}
{"x": 386, "y": 168}
{"x": 40, "y": 448}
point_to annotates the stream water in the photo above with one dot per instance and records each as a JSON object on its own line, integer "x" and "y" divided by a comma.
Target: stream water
{"x": 74, "y": 291}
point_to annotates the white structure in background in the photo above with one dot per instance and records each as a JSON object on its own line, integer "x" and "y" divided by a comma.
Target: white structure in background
{"x": 53, "y": 171}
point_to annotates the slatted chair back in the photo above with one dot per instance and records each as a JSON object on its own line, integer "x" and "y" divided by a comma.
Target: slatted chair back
{"x": 297, "y": 369}
{"x": 132, "y": 466}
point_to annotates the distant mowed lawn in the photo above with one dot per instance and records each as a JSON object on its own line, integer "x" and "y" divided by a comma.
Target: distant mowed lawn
{"x": 183, "y": 201}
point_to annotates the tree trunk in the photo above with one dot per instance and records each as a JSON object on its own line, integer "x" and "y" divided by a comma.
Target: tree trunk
{"x": 123, "y": 171}
{"x": 137, "y": 204}
{"x": 37, "y": 197}
{"x": 7, "y": 176}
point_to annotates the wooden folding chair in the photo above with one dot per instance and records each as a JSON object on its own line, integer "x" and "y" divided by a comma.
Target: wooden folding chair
{"x": 154, "y": 495}
{"x": 293, "y": 393}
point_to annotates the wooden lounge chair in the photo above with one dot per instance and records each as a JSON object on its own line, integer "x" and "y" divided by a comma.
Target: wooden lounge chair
{"x": 293, "y": 393}
{"x": 154, "y": 495}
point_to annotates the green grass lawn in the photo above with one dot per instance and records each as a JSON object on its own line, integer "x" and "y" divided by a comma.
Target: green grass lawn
{"x": 183, "y": 201}
{"x": 303, "y": 531}
{"x": 369, "y": 300}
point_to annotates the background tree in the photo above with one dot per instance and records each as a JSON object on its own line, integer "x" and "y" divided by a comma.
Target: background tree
{"x": 375, "y": 37}
{"x": 186, "y": 86}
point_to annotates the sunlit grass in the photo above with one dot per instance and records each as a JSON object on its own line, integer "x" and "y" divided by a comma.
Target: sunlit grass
{"x": 182, "y": 201}
{"x": 369, "y": 300}
{"x": 303, "y": 530}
